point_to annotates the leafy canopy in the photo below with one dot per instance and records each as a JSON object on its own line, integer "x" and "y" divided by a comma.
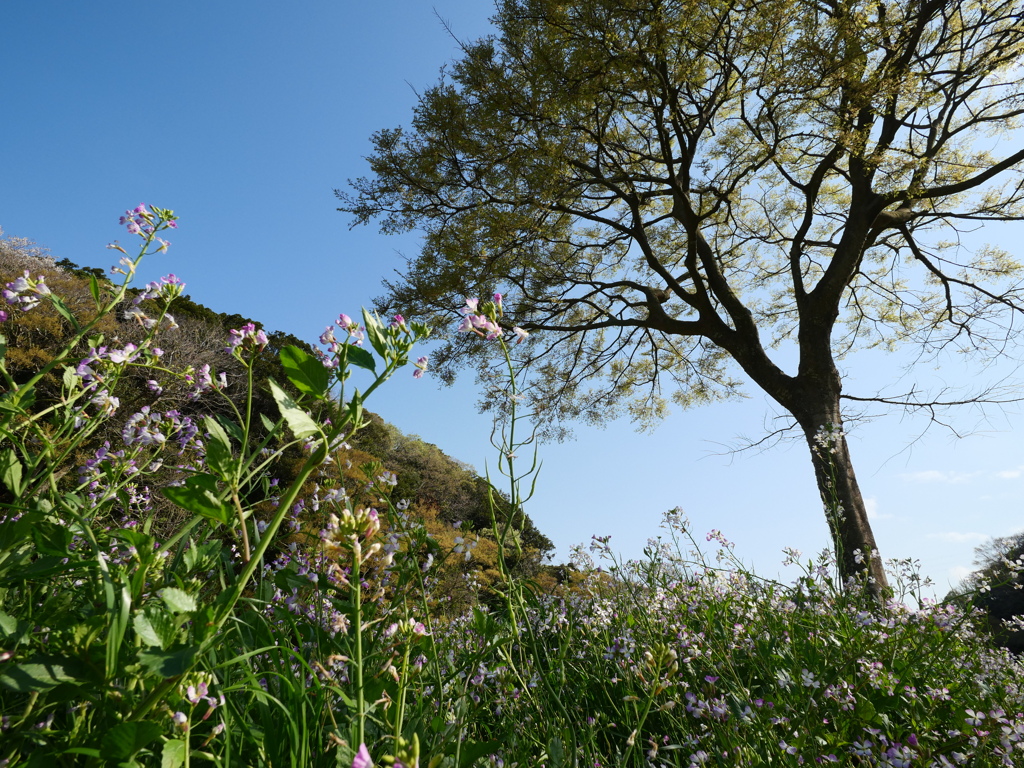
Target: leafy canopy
{"x": 666, "y": 185}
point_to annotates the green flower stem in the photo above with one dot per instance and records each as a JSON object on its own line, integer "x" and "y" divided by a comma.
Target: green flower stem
{"x": 356, "y": 592}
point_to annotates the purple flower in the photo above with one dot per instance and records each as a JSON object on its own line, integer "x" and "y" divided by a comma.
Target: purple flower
{"x": 362, "y": 758}
{"x": 3, "y": 316}
{"x": 247, "y": 337}
{"x": 421, "y": 367}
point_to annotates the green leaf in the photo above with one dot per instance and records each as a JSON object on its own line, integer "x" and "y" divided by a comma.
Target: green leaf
{"x": 12, "y": 630}
{"x": 200, "y": 496}
{"x": 231, "y": 428}
{"x": 156, "y": 627}
{"x": 201, "y": 556}
{"x": 39, "y": 675}
{"x": 299, "y": 422}
{"x": 94, "y": 289}
{"x": 473, "y": 751}
{"x": 306, "y": 372}
{"x": 359, "y": 356}
{"x": 3, "y": 346}
{"x": 169, "y": 663}
{"x": 11, "y": 471}
{"x": 125, "y": 739}
{"x": 218, "y": 449}
{"x": 173, "y": 755}
{"x": 61, "y": 307}
{"x": 375, "y": 333}
{"x": 178, "y": 600}
{"x": 267, "y": 423}
{"x": 70, "y": 379}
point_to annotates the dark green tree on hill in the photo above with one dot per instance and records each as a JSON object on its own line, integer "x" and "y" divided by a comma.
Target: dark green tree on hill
{"x": 670, "y": 189}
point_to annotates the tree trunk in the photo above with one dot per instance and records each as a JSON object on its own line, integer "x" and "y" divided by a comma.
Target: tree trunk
{"x": 855, "y": 549}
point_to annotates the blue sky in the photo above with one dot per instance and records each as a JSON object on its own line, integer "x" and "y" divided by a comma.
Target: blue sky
{"x": 244, "y": 116}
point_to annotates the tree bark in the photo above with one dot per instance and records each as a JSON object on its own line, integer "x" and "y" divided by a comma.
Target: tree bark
{"x": 855, "y": 549}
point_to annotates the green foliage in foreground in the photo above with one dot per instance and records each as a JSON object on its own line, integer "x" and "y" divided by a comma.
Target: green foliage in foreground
{"x": 318, "y": 635}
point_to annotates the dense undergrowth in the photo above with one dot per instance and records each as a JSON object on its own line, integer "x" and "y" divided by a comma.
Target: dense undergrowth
{"x": 215, "y": 585}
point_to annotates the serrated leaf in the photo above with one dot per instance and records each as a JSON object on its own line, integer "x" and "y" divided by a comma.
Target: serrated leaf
{"x": 62, "y": 308}
{"x": 11, "y": 471}
{"x": 199, "y": 495}
{"x": 125, "y": 739}
{"x": 178, "y": 600}
{"x": 156, "y": 627}
{"x": 173, "y": 755}
{"x": 298, "y": 420}
{"x": 202, "y": 555}
{"x": 306, "y": 372}
{"x": 168, "y": 663}
{"x": 218, "y": 450}
{"x": 375, "y": 333}
{"x": 360, "y": 357}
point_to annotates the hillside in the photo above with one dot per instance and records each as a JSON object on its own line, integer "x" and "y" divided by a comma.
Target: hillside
{"x": 441, "y": 491}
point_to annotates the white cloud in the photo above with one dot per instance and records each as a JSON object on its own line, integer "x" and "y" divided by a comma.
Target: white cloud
{"x": 955, "y": 537}
{"x": 871, "y": 504}
{"x": 936, "y": 476}
{"x": 1010, "y": 474}
{"x": 958, "y": 573}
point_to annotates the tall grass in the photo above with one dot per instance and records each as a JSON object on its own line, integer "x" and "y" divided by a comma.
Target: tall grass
{"x": 316, "y": 635}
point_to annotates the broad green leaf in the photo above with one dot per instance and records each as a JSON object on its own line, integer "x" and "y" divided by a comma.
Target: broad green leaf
{"x": 218, "y": 450}
{"x": 359, "y": 356}
{"x": 202, "y": 556}
{"x": 556, "y": 753}
{"x": 306, "y": 372}
{"x": 375, "y": 333}
{"x": 156, "y": 627}
{"x": 125, "y": 739}
{"x": 12, "y": 630}
{"x": 173, "y": 755}
{"x": 178, "y": 600}
{"x": 472, "y": 751}
{"x": 200, "y": 495}
{"x": 11, "y": 471}
{"x": 299, "y": 422}
{"x": 231, "y": 428}
{"x": 38, "y": 675}
{"x": 62, "y": 308}
{"x": 168, "y": 663}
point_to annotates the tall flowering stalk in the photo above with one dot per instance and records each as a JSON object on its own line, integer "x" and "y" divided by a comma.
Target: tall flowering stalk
{"x": 147, "y": 613}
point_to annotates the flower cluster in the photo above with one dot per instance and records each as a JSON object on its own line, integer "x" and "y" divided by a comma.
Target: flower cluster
{"x": 203, "y": 381}
{"x": 246, "y": 338}
{"x": 483, "y": 320}
{"x": 25, "y": 292}
{"x": 350, "y": 531}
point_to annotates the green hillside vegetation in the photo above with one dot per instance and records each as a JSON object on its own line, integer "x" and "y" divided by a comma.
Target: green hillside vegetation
{"x": 441, "y": 491}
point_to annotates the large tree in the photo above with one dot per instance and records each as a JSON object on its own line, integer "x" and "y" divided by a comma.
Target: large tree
{"x": 666, "y": 188}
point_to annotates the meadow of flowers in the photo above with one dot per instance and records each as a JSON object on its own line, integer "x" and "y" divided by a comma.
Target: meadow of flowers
{"x": 278, "y": 619}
